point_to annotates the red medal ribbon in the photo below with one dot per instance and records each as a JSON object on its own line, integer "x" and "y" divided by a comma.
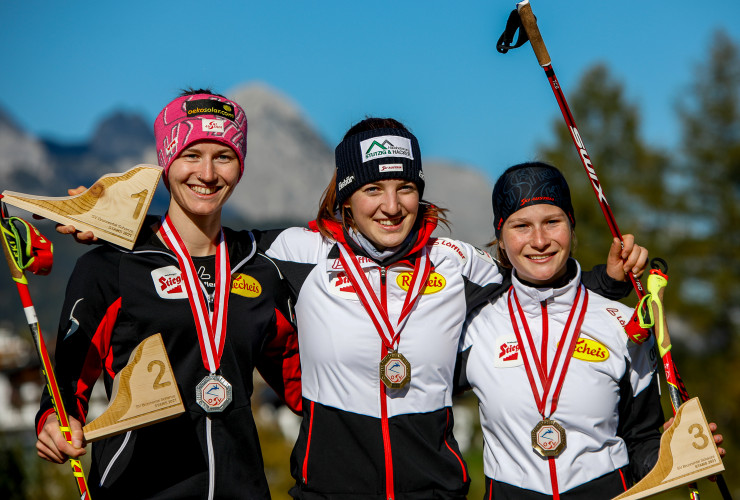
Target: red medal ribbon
{"x": 378, "y": 314}
{"x": 211, "y": 326}
{"x": 542, "y": 385}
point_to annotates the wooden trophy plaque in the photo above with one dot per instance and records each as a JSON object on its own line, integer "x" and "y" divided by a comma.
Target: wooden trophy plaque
{"x": 113, "y": 208}
{"x": 144, "y": 392}
{"x": 687, "y": 453}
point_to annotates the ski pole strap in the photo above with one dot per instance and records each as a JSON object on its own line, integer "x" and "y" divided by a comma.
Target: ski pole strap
{"x": 656, "y": 284}
{"x": 29, "y": 249}
{"x": 645, "y": 312}
{"x": 637, "y": 329}
{"x": 513, "y": 24}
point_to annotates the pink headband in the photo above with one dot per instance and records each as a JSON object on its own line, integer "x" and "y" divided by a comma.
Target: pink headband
{"x": 195, "y": 118}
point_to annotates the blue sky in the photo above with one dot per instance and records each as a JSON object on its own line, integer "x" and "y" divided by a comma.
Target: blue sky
{"x": 431, "y": 64}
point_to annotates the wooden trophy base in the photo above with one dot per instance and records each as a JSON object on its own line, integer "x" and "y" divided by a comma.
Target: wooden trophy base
{"x": 687, "y": 453}
{"x": 113, "y": 208}
{"x": 144, "y": 392}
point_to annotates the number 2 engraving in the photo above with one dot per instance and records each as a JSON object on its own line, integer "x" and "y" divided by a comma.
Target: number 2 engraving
{"x": 157, "y": 381}
{"x": 699, "y": 435}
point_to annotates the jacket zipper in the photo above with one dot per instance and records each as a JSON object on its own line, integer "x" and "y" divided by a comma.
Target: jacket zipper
{"x": 115, "y": 458}
{"x": 389, "y": 493}
{"x": 211, "y": 461}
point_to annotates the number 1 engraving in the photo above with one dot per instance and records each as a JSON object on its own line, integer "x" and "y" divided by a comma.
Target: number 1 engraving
{"x": 141, "y": 195}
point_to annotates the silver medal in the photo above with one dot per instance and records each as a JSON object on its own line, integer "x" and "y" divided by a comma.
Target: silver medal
{"x": 213, "y": 393}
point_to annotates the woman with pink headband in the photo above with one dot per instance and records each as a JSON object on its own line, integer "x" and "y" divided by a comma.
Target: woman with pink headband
{"x": 220, "y": 305}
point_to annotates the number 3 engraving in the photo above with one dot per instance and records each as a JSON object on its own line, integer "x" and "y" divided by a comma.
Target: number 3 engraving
{"x": 160, "y": 365}
{"x": 699, "y": 435}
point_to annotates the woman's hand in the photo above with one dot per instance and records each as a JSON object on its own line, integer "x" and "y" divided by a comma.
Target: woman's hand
{"x": 80, "y": 237}
{"x": 718, "y": 439}
{"x": 625, "y": 256}
{"x": 51, "y": 444}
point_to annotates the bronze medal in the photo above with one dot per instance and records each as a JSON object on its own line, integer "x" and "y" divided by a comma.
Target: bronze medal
{"x": 548, "y": 438}
{"x": 395, "y": 370}
{"x": 213, "y": 393}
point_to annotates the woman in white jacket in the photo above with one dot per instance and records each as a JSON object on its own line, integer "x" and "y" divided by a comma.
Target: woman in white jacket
{"x": 569, "y": 405}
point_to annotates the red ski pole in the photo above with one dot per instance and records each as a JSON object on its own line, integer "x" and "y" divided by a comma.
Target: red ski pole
{"x": 677, "y": 390}
{"x": 35, "y": 254}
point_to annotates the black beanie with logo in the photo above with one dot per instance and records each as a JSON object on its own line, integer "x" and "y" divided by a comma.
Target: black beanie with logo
{"x": 374, "y": 155}
{"x": 529, "y": 184}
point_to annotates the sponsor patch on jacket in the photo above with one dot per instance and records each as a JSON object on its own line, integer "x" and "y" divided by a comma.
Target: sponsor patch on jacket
{"x": 623, "y": 320}
{"x": 168, "y": 283}
{"x": 507, "y": 352}
{"x": 590, "y": 350}
{"x": 245, "y": 285}
{"x": 482, "y": 254}
{"x": 386, "y": 146}
{"x": 435, "y": 283}
{"x": 341, "y": 286}
{"x": 452, "y": 246}
{"x": 336, "y": 264}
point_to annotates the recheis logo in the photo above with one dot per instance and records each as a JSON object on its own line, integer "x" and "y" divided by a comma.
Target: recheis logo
{"x": 168, "y": 283}
{"x": 435, "y": 283}
{"x": 590, "y": 350}
{"x": 386, "y": 146}
{"x": 246, "y": 286}
{"x": 507, "y": 352}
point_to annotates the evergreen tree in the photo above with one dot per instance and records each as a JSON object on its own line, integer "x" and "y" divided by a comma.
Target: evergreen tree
{"x": 709, "y": 192}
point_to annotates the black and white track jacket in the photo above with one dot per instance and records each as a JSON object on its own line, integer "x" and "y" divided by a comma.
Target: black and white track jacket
{"x": 609, "y": 404}
{"x": 114, "y": 300}
{"x": 359, "y": 439}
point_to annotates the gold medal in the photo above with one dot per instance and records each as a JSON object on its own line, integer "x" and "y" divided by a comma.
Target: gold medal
{"x": 395, "y": 370}
{"x": 548, "y": 438}
{"x": 213, "y": 393}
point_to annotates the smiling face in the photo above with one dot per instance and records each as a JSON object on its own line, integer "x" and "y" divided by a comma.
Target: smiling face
{"x": 537, "y": 241}
{"x": 202, "y": 178}
{"x": 385, "y": 211}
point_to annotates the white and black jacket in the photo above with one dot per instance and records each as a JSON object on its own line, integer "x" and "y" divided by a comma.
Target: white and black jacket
{"x": 359, "y": 439}
{"x": 609, "y": 404}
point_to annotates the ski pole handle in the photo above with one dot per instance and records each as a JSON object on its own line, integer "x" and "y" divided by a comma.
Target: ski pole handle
{"x": 12, "y": 251}
{"x": 533, "y": 32}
